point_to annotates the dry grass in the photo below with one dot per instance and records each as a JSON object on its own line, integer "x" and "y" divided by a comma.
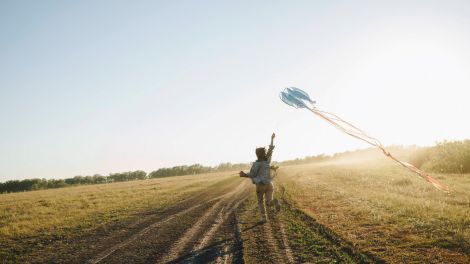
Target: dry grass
{"x": 31, "y": 219}
{"x": 382, "y": 208}
{"x": 376, "y": 205}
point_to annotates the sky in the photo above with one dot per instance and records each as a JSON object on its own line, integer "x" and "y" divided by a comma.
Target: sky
{"x": 92, "y": 87}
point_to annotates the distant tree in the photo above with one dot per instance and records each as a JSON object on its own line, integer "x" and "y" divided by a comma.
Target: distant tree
{"x": 97, "y": 178}
{"x": 138, "y": 175}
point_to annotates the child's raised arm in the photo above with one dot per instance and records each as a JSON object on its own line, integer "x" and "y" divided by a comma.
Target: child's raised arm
{"x": 271, "y": 148}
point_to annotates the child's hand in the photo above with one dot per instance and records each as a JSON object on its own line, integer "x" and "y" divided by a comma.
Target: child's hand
{"x": 242, "y": 174}
{"x": 273, "y": 136}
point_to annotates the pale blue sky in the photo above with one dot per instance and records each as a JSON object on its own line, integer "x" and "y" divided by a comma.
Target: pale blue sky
{"x": 105, "y": 86}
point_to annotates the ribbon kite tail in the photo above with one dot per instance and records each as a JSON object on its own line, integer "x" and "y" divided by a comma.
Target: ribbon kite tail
{"x": 353, "y": 131}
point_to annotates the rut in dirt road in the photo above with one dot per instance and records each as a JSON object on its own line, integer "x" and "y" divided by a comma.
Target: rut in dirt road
{"x": 214, "y": 237}
{"x": 202, "y": 229}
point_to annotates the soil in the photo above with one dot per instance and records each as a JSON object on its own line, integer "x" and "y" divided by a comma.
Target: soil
{"x": 217, "y": 226}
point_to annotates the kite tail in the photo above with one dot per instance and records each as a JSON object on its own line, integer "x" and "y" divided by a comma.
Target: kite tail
{"x": 421, "y": 173}
{"x": 355, "y": 132}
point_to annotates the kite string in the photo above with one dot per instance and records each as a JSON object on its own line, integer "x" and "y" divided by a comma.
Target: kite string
{"x": 335, "y": 117}
{"x": 361, "y": 135}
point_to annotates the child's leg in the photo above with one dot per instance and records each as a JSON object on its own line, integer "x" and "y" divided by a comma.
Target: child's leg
{"x": 260, "y": 191}
{"x": 269, "y": 194}
{"x": 270, "y": 200}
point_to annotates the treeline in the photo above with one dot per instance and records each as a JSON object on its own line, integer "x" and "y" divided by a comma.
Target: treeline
{"x": 195, "y": 169}
{"x": 41, "y": 184}
{"x": 305, "y": 160}
{"x": 445, "y": 157}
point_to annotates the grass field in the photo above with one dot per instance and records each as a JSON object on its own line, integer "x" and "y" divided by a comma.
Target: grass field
{"x": 383, "y": 209}
{"x": 353, "y": 211}
{"x": 38, "y": 220}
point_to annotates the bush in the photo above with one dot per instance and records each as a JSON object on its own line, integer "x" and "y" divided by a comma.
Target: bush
{"x": 445, "y": 157}
{"x": 420, "y": 156}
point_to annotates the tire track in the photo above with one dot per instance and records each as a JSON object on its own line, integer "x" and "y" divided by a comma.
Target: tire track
{"x": 272, "y": 241}
{"x": 217, "y": 215}
{"x": 258, "y": 242}
{"x": 237, "y": 246}
{"x": 222, "y": 218}
{"x": 182, "y": 243}
{"x": 285, "y": 243}
{"x": 282, "y": 243}
{"x": 140, "y": 234}
{"x": 173, "y": 213}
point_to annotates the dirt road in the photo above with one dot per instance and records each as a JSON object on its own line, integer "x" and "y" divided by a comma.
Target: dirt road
{"x": 199, "y": 230}
{"x": 219, "y": 225}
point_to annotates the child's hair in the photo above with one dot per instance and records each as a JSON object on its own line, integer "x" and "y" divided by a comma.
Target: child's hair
{"x": 261, "y": 154}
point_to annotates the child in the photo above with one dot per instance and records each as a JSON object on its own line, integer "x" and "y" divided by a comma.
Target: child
{"x": 260, "y": 174}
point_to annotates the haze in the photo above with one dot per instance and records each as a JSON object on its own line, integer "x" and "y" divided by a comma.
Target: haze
{"x": 97, "y": 87}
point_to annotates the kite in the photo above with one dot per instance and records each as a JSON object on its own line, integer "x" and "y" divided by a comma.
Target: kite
{"x": 297, "y": 98}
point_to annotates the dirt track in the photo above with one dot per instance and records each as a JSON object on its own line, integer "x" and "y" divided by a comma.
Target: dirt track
{"x": 201, "y": 229}
{"x": 219, "y": 225}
